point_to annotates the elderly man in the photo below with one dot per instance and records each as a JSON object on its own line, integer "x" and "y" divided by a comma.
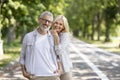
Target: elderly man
{"x": 38, "y": 59}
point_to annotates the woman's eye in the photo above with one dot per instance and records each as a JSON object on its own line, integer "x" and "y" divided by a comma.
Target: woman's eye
{"x": 56, "y": 23}
{"x": 61, "y": 24}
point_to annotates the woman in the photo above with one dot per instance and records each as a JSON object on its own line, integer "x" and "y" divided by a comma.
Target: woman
{"x": 61, "y": 37}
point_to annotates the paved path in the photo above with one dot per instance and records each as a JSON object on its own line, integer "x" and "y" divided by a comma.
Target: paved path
{"x": 89, "y": 63}
{"x": 92, "y": 63}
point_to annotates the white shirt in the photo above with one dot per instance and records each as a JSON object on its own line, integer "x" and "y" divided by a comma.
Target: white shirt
{"x": 38, "y": 54}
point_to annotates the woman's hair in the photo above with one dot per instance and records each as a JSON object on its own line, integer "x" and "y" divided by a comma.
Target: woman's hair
{"x": 65, "y": 22}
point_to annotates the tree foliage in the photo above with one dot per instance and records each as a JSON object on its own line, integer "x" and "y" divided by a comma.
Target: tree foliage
{"x": 87, "y": 18}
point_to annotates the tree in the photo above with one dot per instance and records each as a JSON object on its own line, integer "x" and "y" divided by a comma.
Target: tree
{"x": 1, "y": 19}
{"x": 109, "y": 17}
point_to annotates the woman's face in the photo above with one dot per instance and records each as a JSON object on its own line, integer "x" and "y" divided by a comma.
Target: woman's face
{"x": 58, "y": 25}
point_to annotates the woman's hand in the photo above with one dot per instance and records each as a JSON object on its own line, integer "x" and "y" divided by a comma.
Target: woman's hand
{"x": 60, "y": 68}
{"x": 59, "y": 71}
{"x": 54, "y": 33}
{"x": 56, "y": 37}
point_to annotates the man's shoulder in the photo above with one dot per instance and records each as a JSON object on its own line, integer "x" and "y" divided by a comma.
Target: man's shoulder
{"x": 30, "y": 34}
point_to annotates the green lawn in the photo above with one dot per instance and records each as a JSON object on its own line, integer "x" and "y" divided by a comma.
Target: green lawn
{"x": 112, "y": 46}
{"x": 11, "y": 53}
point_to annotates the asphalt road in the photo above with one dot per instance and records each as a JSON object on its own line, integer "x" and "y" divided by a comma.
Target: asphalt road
{"x": 89, "y": 63}
{"x": 92, "y": 63}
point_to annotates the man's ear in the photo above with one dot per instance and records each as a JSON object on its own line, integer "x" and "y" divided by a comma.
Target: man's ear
{"x": 39, "y": 20}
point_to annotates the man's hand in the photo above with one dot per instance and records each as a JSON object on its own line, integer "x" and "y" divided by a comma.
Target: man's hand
{"x": 25, "y": 73}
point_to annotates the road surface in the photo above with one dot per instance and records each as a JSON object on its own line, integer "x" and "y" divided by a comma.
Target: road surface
{"x": 89, "y": 63}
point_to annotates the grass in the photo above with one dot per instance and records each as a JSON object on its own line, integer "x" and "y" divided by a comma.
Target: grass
{"x": 112, "y": 46}
{"x": 11, "y": 53}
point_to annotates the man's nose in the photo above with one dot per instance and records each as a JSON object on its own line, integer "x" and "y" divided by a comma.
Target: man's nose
{"x": 46, "y": 22}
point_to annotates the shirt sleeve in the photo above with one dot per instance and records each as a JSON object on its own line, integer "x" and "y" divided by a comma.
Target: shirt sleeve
{"x": 64, "y": 42}
{"x": 23, "y": 50}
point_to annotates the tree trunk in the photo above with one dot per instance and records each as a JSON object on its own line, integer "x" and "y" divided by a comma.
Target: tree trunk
{"x": 98, "y": 26}
{"x": 84, "y": 30}
{"x": 107, "y": 36}
{"x": 76, "y": 32}
{"x": 93, "y": 28}
{"x": 10, "y": 35}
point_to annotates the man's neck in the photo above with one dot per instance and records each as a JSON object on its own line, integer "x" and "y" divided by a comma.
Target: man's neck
{"x": 41, "y": 32}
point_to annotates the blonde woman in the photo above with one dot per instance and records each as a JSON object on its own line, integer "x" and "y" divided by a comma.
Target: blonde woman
{"x": 61, "y": 38}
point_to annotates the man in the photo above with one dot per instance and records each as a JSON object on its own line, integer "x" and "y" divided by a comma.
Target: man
{"x": 38, "y": 59}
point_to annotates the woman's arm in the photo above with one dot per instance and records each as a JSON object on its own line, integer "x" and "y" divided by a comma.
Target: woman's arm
{"x": 63, "y": 43}
{"x": 56, "y": 43}
{"x": 56, "y": 37}
{"x": 64, "y": 40}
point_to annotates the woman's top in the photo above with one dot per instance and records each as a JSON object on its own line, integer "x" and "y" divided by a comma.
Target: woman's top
{"x": 63, "y": 51}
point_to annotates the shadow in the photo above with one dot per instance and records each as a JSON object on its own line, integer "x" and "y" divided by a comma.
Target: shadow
{"x": 81, "y": 71}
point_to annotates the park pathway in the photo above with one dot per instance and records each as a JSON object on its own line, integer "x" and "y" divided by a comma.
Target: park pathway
{"x": 89, "y": 63}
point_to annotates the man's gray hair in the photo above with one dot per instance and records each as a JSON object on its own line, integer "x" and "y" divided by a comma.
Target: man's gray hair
{"x": 46, "y": 13}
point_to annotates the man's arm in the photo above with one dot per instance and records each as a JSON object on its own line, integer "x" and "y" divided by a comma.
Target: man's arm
{"x": 22, "y": 59}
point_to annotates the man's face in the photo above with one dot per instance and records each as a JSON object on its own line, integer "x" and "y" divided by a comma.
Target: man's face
{"x": 45, "y": 22}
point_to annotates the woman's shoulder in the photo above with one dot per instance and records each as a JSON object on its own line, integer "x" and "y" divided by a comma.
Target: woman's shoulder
{"x": 64, "y": 34}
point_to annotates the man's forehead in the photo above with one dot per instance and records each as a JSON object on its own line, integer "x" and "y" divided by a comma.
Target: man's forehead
{"x": 48, "y": 17}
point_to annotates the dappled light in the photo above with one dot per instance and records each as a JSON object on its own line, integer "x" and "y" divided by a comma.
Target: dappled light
{"x": 94, "y": 29}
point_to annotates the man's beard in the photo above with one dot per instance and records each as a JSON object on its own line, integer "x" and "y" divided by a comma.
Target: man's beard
{"x": 44, "y": 29}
